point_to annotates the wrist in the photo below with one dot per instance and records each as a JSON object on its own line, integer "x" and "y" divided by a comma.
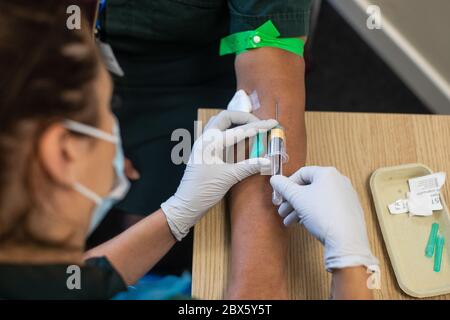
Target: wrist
{"x": 348, "y": 272}
{"x": 350, "y": 283}
{"x": 178, "y": 227}
{"x": 335, "y": 262}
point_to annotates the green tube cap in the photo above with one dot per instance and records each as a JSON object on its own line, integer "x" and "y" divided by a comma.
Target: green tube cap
{"x": 429, "y": 250}
{"x": 439, "y": 249}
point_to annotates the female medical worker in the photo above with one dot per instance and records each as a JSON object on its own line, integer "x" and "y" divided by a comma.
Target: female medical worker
{"x": 63, "y": 165}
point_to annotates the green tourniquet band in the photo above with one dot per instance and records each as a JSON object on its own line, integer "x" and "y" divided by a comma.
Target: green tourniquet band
{"x": 429, "y": 251}
{"x": 266, "y": 35}
{"x": 438, "y": 257}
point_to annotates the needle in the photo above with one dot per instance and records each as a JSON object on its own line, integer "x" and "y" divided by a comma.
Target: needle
{"x": 276, "y": 111}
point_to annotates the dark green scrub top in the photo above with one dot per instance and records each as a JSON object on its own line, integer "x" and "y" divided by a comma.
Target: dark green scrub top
{"x": 168, "y": 26}
{"x": 169, "y": 52}
{"x": 99, "y": 280}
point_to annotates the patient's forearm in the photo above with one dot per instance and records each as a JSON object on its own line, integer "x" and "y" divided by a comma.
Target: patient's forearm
{"x": 259, "y": 239}
{"x": 277, "y": 76}
{"x": 259, "y": 243}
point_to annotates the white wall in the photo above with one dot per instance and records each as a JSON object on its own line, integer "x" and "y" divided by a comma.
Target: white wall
{"x": 414, "y": 41}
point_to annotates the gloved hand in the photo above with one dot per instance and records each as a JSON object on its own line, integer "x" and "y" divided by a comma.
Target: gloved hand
{"x": 324, "y": 201}
{"x": 207, "y": 177}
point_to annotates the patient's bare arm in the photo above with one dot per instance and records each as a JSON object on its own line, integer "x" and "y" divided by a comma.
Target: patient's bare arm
{"x": 259, "y": 239}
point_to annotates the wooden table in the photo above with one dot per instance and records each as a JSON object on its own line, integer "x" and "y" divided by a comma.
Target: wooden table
{"x": 357, "y": 144}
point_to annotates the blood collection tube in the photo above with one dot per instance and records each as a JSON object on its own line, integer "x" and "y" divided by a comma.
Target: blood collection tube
{"x": 277, "y": 155}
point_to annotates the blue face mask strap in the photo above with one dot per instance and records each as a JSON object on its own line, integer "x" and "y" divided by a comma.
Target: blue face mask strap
{"x": 90, "y": 131}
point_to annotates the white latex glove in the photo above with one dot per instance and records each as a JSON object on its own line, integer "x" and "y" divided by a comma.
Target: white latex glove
{"x": 324, "y": 201}
{"x": 207, "y": 177}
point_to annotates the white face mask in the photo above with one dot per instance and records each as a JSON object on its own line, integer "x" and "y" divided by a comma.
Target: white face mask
{"x": 121, "y": 184}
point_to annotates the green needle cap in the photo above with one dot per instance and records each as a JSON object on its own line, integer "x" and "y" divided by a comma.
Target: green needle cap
{"x": 258, "y": 146}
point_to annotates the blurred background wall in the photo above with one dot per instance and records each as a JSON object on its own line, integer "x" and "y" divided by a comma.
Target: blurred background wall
{"x": 403, "y": 67}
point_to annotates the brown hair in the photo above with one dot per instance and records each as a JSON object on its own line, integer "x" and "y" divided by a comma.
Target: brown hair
{"x": 47, "y": 74}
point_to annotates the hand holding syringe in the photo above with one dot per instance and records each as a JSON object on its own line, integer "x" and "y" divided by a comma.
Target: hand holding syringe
{"x": 276, "y": 152}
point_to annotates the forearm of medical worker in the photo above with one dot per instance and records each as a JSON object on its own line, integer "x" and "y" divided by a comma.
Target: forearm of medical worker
{"x": 350, "y": 284}
{"x": 135, "y": 251}
{"x": 259, "y": 237}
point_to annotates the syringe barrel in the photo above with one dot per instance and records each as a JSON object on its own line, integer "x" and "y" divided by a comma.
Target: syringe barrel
{"x": 276, "y": 169}
{"x": 277, "y": 155}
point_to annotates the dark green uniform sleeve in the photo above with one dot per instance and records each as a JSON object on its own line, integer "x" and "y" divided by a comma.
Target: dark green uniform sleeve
{"x": 291, "y": 17}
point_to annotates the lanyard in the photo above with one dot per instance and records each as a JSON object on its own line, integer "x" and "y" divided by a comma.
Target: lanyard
{"x": 101, "y": 9}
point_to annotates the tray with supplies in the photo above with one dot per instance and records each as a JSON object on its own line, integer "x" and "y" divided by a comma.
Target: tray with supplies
{"x": 407, "y": 236}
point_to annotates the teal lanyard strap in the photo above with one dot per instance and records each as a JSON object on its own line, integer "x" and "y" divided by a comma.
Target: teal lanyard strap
{"x": 101, "y": 8}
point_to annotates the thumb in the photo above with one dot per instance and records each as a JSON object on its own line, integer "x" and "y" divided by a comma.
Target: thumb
{"x": 288, "y": 188}
{"x": 250, "y": 167}
{"x": 130, "y": 171}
